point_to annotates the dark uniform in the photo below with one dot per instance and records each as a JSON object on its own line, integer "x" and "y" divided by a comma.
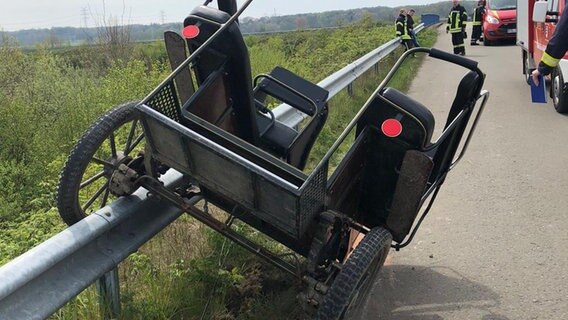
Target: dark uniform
{"x": 456, "y": 26}
{"x": 410, "y": 27}
{"x": 402, "y": 31}
{"x": 476, "y": 23}
{"x": 557, "y": 46}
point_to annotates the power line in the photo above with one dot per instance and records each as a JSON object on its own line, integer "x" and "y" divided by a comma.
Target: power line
{"x": 85, "y": 15}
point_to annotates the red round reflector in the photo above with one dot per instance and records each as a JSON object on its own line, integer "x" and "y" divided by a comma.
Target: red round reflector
{"x": 190, "y": 31}
{"x": 392, "y": 128}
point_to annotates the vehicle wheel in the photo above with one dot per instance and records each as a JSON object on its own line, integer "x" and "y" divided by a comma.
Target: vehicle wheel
{"x": 115, "y": 138}
{"x": 558, "y": 91}
{"x": 486, "y": 42}
{"x": 526, "y": 69}
{"x": 353, "y": 283}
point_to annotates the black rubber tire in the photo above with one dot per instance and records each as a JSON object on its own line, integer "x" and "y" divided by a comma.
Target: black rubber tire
{"x": 487, "y": 42}
{"x": 526, "y": 70}
{"x": 558, "y": 91}
{"x": 353, "y": 283}
{"x": 70, "y": 180}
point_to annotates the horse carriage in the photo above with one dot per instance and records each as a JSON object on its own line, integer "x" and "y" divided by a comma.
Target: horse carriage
{"x": 210, "y": 121}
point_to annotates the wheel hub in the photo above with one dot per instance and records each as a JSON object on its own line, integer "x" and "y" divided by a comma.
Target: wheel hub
{"x": 123, "y": 174}
{"x": 556, "y": 89}
{"x": 116, "y": 161}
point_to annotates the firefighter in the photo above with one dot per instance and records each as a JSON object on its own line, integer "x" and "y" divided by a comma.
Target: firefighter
{"x": 456, "y": 26}
{"x": 555, "y": 50}
{"x": 477, "y": 22}
{"x": 402, "y": 29}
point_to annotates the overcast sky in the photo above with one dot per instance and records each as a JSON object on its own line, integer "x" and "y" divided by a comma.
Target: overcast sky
{"x": 28, "y": 14}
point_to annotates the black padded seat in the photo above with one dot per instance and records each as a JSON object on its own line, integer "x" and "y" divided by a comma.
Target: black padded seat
{"x": 413, "y": 107}
{"x": 279, "y": 137}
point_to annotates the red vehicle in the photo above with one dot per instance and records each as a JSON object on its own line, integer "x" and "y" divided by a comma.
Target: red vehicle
{"x": 537, "y": 21}
{"x": 499, "y": 21}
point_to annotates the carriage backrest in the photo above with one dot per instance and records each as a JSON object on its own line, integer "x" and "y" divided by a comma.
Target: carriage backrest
{"x": 465, "y": 99}
{"x": 223, "y": 69}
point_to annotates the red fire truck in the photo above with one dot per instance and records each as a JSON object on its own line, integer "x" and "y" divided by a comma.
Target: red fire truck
{"x": 536, "y": 23}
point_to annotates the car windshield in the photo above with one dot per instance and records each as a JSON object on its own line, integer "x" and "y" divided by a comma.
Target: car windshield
{"x": 503, "y": 4}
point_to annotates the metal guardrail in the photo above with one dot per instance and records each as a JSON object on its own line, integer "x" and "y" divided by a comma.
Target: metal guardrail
{"x": 341, "y": 79}
{"x": 39, "y": 282}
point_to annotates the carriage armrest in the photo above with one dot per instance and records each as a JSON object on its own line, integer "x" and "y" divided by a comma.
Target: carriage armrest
{"x": 293, "y": 90}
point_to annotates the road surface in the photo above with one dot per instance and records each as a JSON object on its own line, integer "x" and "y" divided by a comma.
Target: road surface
{"x": 495, "y": 245}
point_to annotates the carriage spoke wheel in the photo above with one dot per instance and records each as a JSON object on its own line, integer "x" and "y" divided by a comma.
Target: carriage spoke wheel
{"x": 350, "y": 288}
{"x": 115, "y": 138}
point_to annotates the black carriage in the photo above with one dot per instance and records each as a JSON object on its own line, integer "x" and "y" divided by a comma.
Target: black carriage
{"x": 209, "y": 120}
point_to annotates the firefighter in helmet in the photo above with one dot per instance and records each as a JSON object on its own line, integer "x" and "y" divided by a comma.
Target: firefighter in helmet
{"x": 456, "y": 26}
{"x": 476, "y": 22}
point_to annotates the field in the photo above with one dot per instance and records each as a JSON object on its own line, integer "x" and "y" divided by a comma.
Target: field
{"x": 49, "y": 98}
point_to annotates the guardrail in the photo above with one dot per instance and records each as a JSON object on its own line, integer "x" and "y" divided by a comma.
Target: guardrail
{"x": 341, "y": 79}
{"x": 39, "y": 282}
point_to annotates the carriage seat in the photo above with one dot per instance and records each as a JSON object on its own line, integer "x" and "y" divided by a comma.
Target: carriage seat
{"x": 228, "y": 100}
{"x": 413, "y": 107}
{"x": 278, "y": 136}
{"x": 304, "y": 96}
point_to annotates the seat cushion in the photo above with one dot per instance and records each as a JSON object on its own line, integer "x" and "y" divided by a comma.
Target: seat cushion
{"x": 413, "y": 107}
{"x": 278, "y": 138}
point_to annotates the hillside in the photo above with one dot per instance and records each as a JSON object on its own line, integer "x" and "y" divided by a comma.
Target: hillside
{"x": 69, "y": 36}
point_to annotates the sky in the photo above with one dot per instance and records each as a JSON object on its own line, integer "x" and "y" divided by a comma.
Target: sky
{"x": 34, "y": 14}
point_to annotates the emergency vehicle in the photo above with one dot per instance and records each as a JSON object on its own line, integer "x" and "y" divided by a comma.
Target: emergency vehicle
{"x": 499, "y": 21}
{"x": 536, "y": 23}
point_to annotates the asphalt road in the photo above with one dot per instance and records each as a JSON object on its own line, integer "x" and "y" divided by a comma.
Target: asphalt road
{"x": 495, "y": 245}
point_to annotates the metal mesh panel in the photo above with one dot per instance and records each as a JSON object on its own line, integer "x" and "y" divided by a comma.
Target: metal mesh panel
{"x": 166, "y": 102}
{"x": 312, "y": 199}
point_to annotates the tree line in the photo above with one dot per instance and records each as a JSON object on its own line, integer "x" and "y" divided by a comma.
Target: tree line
{"x": 70, "y": 36}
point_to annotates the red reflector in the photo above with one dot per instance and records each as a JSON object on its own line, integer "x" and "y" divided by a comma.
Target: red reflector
{"x": 392, "y": 128}
{"x": 190, "y": 31}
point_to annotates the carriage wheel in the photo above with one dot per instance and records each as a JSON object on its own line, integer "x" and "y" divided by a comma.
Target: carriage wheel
{"x": 354, "y": 281}
{"x": 115, "y": 138}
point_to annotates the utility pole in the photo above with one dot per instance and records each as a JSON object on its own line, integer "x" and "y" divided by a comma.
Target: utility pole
{"x": 85, "y": 16}
{"x": 163, "y": 16}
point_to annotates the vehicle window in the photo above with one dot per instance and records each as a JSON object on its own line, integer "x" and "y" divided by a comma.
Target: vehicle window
{"x": 503, "y": 4}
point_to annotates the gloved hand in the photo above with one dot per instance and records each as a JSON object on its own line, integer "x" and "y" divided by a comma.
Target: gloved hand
{"x": 447, "y": 29}
{"x": 465, "y": 35}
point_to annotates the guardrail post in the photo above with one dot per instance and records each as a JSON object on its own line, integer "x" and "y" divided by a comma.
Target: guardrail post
{"x": 376, "y": 67}
{"x": 108, "y": 287}
{"x": 350, "y": 89}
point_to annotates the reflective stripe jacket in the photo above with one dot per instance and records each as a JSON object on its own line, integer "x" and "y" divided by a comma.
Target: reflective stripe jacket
{"x": 557, "y": 46}
{"x": 402, "y": 28}
{"x": 457, "y": 19}
{"x": 477, "y": 16}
